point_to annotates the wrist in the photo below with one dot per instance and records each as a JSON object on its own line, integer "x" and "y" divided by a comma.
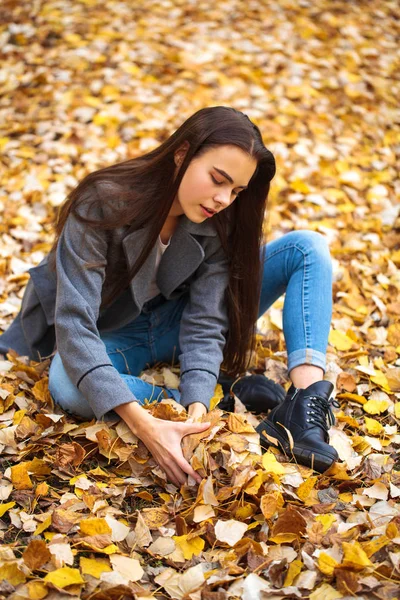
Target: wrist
{"x": 197, "y": 409}
{"x": 136, "y": 417}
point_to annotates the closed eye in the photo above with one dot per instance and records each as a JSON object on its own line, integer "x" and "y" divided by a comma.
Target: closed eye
{"x": 222, "y": 183}
{"x": 216, "y": 181}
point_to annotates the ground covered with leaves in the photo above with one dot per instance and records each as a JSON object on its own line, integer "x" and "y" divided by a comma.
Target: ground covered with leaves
{"x": 85, "y": 512}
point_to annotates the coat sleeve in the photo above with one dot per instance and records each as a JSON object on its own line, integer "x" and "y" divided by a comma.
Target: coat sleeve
{"x": 203, "y": 329}
{"x": 78, "y": 300}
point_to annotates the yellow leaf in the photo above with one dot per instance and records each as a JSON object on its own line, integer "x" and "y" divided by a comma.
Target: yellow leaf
{"x": 354, "y": 556}
{"x": 18, "y": 416}
{"x": 381, "y": 380}
{"x": 374, "y": 545}
{"x": 37, "y": 590}
{"x": 325, "y": 591}
{"x": 10, "y": 572}
{"x": 283, "y": 538}
{"x": 394, "y": 334}
{"x": 326, "y": 520}
{"x": 111, "y": 549}
{"x": 346, "y": 497}
{"x": 397, "y": 410}
{"x": 113, "y": 141}
{"x": 340, "y": 340}
{"x": 254, "y": 484}
{"x": 271, "y": 465}
{"x": 94, "y": 526}
{"x": 218, "y": 395}
{"x": 375, "y": 407}
{"x": 298, "y": 185}
{"x": 165, "y": 497}
{"x": 254, "y": 525}
{"x": 20, "y": 477}
{"x": 326, "y": 564}
{"x": 243, "y": 512}
{"x": 352, "y": 397}
{"x": 392, "y": 530}
{"x": 373, "y": 426}
{"x": 64, "y": 577}
{"x": 5, "y": 507}
{"x": 94, "y": 566}
{"x": 237, "y": 423}
{"x": 338, "y": 471}
{"x": 37, "y": 466}
{"x": 42, "y": 489}
{"x": 43, "y": 526}
{"x": 3, "y": 142}
{"x": 190, "y": 547}
{"x": 304, "y": 489}
{"x": 292, "y": 572}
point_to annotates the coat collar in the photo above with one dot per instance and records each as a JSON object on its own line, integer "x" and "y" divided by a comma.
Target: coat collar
{"x": 182, "y": 257}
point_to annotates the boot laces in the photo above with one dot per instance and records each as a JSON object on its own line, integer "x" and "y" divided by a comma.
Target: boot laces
{"x": 321, "y": 411}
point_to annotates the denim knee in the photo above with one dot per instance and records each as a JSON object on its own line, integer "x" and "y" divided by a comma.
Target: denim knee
{"x": 312, "y": 242}
{"x": 65, "y": 393}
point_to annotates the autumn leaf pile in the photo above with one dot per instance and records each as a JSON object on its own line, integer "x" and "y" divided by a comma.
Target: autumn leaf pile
{"x": 85, "y": 512}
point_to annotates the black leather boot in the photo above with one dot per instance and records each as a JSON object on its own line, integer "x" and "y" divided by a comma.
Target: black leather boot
{"x": 304, "y": 413}
{"x": 258, "y": 393}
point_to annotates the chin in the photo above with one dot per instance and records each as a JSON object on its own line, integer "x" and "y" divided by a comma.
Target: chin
{"x": 195, "y": 217}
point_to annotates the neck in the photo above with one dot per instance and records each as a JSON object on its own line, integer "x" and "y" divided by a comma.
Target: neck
{"x": 168, "y": 228}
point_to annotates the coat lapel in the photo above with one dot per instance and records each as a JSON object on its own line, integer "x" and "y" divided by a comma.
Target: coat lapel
{"x": 181, "y": 259}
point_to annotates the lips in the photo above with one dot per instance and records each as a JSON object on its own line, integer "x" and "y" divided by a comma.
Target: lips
{"x": 208, "y": 211}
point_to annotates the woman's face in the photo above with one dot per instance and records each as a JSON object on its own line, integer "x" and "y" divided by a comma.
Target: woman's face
{"x": 212, "y": 182}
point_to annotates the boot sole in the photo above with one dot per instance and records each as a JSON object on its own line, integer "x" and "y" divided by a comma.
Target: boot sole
{"x": 319, "y": 461}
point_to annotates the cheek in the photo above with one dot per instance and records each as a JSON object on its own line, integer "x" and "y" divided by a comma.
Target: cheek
{"x": 195, "y": 185}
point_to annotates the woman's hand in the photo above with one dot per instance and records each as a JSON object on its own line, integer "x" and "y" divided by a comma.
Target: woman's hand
{"x": 163, "y": 439}
{"x": 196, "y": 410}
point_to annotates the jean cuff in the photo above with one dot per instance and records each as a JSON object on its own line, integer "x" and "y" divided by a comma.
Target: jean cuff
{"x": 306, "y": 356}
{"x": 175, "y": 394}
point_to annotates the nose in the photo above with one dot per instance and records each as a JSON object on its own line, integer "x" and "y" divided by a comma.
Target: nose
{"x": 223, "y": 198}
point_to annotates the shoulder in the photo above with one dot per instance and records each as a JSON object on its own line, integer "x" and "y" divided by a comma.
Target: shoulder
{"x": 93, "y": 201}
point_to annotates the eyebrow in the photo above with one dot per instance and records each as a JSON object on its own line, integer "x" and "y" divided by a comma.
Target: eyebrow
{"x": 229, "y": 178}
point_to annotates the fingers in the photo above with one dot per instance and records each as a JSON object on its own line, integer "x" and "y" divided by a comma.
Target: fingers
{"x": 187, "y": 468}
{"x": 175, "y": 474}
{"x": 189, "y": 428}
{"x": 176, "y": 469}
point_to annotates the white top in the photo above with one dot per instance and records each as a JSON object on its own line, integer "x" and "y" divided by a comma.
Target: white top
{"x": 153, "y": 287}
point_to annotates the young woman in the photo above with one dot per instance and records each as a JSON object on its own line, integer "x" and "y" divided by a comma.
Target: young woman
{"x": 161, "y": 257}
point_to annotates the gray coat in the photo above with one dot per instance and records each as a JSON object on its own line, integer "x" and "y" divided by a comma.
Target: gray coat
{"x": 62, "y": 309}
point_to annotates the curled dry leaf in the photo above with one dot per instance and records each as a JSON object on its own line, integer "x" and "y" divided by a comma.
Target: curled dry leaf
{"x": 314, "y": 84}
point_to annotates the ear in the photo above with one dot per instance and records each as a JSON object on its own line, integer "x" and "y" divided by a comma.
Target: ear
{"x": 180, "y": 154}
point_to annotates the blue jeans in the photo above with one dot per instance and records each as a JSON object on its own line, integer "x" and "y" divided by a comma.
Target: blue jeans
{"x": 297, "y": 264}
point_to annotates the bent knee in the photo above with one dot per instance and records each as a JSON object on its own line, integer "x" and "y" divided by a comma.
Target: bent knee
{"x": 65, "y": 393}
{"x": 312, "y": 240}
{"x": 312, "y": 243}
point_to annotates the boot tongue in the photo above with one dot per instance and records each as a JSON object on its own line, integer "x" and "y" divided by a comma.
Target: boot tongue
{"x": 320, "y": 388}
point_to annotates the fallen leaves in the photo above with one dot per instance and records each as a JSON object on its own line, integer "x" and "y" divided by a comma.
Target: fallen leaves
{"x": 84, "y": 510}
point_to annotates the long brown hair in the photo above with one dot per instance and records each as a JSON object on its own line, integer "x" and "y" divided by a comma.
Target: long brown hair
{"x": 142, "y": 190}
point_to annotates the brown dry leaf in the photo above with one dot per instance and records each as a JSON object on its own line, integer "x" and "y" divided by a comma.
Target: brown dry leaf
{"x": 270, "y": 503}
{"x": 70, "y": 454}
{"x": 36, "y": 554}
{"x": 154, "y": 517}
{"x": 289, "y": 522}
{"x": 109, "y": 82}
